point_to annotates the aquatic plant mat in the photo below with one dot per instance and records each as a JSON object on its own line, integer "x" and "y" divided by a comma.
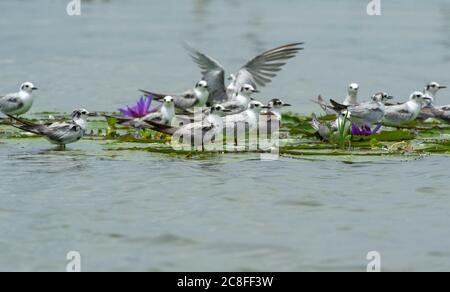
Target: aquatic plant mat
{"x": 298, "y": 141}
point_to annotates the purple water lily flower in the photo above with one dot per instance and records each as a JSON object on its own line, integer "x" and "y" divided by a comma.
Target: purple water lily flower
{"x": 365, "y": 130}
{"x": 140, "y": 110}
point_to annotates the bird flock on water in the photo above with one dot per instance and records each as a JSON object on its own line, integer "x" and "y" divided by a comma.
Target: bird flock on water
{"x": 221, "y": 107}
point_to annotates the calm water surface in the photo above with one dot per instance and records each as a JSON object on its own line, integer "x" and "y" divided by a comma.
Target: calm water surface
{"x": 139, "y": 211}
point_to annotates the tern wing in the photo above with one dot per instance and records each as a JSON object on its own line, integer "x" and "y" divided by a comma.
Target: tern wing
{"x": 263, "y": 68}
{"x": 10, "y": 103}
{"x": 213, "y": 73}
{"x": 368, "y": 112}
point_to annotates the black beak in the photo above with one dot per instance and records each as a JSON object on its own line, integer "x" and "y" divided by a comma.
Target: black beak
{"x": 442, "y": 87}
{"x": 390, "y": 97}
{"x": 266, "y": 107}
{"x": 287, "y": 104}
{"x": 256, "y": 91}
{"x": 226, "y": 111}
{"x": 34, "y": 88}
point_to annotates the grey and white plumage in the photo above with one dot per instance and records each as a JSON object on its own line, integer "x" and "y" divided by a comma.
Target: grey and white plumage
{"x": 197, "y": 133}
{"x": 352, "y": 94}
{"x": 18, "y": 103}
{"x": 325, "y": 130}
{"x": 350, "y": 100}
{"x": 402, "y": 114}
{"x": 196, "y": 97}
{"x": 257, "y": 72}
{"x": 249, "y": 116}
{"x": 367, "y": 113}
{"x": 59, "y": 133}
{"x": 327, "y": 108}
{"x": 440, "y": 112}
{"x": 275, "y": 106}
{"x": 163, "y": 115}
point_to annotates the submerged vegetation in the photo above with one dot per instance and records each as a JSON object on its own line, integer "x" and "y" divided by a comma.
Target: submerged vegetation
{"x": 298, "y": 139}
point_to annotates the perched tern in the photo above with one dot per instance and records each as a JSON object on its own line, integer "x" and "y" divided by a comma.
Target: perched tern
{"x": 16, "y": 104}
{"x": 258, "y": 72}
{"x": 351, "y": 99}
{"x": 58, "y": 133}
{"x": 249, "y": 116}
{"x": 163, "y": 115}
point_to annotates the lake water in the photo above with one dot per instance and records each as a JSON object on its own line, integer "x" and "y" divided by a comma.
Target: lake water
{"x": 141, "y": 211}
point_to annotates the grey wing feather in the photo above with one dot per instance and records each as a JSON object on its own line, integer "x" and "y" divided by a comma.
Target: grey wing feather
{"x": 261, "y": 69}
{"x": 61, "y": 132}
{"x": 186, "y": 101}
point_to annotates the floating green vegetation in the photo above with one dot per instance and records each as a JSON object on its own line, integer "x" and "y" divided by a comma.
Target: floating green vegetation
{"x": 298, "y": 140}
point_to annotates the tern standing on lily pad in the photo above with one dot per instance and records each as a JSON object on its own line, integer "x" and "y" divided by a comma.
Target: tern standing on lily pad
{"x": 19, "y": 103}
{"x": 241, "y": 100}
{"x": 58, "y": 133}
